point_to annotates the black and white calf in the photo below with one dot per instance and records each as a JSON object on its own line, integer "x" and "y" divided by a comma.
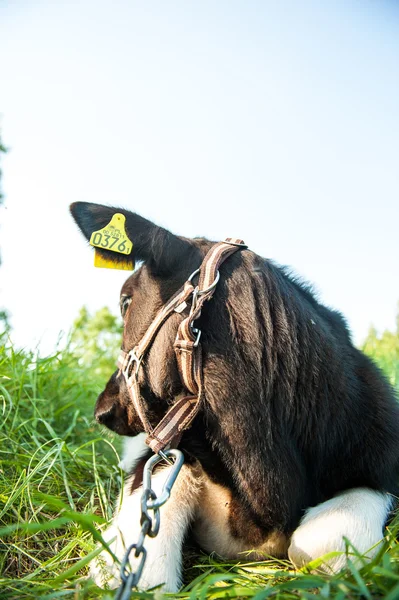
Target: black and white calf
{"x": 296, "y": 443}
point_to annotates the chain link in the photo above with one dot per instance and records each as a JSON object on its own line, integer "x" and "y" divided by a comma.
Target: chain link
{"x": 149, "y": 523}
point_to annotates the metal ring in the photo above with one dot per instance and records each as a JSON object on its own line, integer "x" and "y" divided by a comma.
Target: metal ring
{"x": 213, "y": 284}
{"x": 208, "y": 289}
{"x": 193, "y": 274}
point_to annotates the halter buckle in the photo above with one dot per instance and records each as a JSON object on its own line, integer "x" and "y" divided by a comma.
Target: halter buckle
{"x": 197, "y": 332}
{"x": 240, "y": 245}
{"x": 133, "y": 358}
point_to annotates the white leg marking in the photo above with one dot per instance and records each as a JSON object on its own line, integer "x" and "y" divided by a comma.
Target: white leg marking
{"x": 358, "y": 514}
{"x": 164, "y": 552}
{"x": 133, "y": 449}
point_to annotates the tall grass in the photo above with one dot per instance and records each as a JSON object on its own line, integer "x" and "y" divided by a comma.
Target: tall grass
{"x": 58, "y": 474}
{"x": 58, "y": 482}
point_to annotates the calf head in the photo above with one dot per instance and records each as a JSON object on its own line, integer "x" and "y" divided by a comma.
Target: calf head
{"x": 167, "y": 261}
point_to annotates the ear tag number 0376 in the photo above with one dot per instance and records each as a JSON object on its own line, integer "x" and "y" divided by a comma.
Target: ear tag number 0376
{"x": 112, "y": 237}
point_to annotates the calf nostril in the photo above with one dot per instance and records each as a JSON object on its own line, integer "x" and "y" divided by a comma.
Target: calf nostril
{"x": 105, "y": 416}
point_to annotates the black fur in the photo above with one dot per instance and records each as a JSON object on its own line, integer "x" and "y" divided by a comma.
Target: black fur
{"x": 294, "y": 413}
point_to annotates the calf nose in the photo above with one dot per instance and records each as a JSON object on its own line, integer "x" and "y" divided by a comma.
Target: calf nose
{"x": 105, "y": 416}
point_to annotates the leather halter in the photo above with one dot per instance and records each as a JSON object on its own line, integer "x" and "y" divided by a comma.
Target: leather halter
{"x": 187, "y": 348}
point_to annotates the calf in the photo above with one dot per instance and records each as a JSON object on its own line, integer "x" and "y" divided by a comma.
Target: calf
{"x": 295, "y": 444}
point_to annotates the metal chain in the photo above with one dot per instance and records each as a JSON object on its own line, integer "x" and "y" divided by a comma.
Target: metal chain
{"x": 149, "y": 524}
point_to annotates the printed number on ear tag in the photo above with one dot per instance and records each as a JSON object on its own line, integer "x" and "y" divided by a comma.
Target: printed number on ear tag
{"x": 113, "y": 237}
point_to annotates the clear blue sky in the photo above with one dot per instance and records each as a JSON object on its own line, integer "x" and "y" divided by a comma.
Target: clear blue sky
{"x": 276, "y": 121}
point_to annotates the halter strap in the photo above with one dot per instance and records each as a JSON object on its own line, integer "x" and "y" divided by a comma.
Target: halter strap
{"x": 187, "y": 348}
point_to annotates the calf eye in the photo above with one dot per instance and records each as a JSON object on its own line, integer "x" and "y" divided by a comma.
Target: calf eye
{"x": 124, "y": 304}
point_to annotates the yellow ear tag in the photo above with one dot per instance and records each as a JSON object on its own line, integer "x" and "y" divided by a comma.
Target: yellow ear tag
{"x": 108, "y": 263}
{"x": 112, "y": 237}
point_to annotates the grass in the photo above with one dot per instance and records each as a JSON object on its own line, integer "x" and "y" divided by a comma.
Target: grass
{"x": 59, "y": 480}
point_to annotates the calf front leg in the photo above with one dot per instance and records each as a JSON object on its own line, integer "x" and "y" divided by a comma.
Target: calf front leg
{"x": 163, "y": 565}
{"x": 358, "y": 514}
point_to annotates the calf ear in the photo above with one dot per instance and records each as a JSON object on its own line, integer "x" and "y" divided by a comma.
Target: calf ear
{"x": 161, "y": 250}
